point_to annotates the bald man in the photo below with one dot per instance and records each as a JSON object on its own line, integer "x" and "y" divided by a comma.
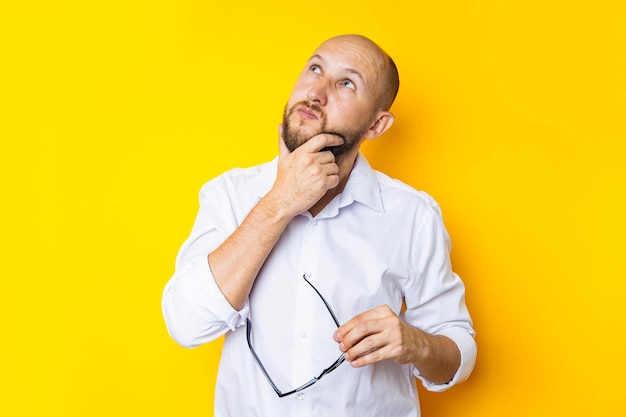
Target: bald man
{"x": 315, "y": 259}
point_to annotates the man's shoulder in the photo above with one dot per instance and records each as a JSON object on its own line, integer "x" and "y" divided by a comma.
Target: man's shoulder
{"x": 247, "y": 172}
{"x": 395, "y": 190}
{"x": 241, "y": 175}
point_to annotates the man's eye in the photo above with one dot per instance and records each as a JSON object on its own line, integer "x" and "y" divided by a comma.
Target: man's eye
{"x": 349, "y": 84}
{"x": 316, "y": 69}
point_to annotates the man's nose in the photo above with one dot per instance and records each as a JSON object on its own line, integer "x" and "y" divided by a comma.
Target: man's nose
{"x": 318, "y": 93}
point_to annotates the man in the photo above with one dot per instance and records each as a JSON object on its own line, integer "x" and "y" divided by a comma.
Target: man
{"x": 316, "y": 255}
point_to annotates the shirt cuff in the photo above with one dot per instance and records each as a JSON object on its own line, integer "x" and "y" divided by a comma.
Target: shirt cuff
{"x": 211, "y": 304}
{"x": 467, "y": 347}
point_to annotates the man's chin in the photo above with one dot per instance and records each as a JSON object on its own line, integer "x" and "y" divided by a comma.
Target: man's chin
{"x": 336, "y": 150}
{"x": 294, "y": 140}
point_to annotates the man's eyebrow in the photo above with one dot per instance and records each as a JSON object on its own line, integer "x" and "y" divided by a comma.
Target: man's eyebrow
{"x": 349, "y": 70}
{"x": 314, "y": 57}
{"x": 355, "y": 72}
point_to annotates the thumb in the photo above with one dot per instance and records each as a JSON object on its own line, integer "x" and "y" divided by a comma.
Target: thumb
{"x": 282, "y": 148}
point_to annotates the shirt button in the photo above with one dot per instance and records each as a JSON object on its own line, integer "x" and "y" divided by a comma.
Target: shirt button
{"x": 301, "y": 396}
{"x": 303, "y": 335}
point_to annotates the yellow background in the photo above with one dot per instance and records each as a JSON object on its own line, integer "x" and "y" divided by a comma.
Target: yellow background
{"x": 114, "y": 113}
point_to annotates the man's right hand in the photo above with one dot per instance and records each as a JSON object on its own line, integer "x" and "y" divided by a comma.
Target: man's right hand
{"x": 306, "y": 174}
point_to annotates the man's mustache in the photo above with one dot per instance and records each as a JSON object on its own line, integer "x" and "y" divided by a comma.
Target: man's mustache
{"x": 315, "y": 108}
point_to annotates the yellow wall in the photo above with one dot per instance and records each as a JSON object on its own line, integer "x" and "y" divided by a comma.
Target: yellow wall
{"x": 114, "y": 113}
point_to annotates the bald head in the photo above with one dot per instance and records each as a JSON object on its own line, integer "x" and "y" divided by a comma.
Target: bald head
{"x": 387, "y": 79}
{"x": 345, "y": 89}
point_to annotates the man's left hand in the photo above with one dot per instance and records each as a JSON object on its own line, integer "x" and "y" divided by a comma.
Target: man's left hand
{"x": 376, "y": 335}
{"x": 379, "y": 334}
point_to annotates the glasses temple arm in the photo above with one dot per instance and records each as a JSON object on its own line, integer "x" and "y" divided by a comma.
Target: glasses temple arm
{"x": 330, "y": 310}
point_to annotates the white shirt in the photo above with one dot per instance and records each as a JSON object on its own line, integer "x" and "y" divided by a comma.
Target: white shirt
{"x": 378, "y": 242}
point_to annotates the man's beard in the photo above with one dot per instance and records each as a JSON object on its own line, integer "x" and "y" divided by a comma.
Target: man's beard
{"x": 293, "y": 137}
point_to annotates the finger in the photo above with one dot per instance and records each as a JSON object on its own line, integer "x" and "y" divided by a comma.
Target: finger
{"x": 345, "y": 328}
{"x": 370, "y": 357}
{"x": 282, "y": 148}
{"x": 319, "y": 142}
{"x": 358, "y": 334}
{"x": 364, "y": 346}
{"x": 359, "y": 319}
{"x": 325, "y": 158}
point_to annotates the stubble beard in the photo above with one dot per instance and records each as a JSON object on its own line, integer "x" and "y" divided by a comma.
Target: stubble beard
{"x": 294, "y": 137}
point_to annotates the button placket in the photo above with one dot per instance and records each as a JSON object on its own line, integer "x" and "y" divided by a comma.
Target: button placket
{"x": 303, "y": 314}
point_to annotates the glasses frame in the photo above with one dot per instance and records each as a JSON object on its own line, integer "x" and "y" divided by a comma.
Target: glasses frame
{"x": 326, "y": 371}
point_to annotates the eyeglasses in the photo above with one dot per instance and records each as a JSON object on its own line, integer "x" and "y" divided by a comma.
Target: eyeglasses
{"x": 326, "y": 371}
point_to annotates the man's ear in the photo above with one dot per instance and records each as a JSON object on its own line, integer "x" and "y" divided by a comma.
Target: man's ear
{"x": 383, "y": 121}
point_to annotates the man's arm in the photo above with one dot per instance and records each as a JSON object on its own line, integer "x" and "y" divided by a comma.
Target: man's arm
{"x": 303, "y": 178}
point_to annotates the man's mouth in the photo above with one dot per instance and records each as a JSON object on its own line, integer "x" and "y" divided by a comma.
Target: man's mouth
{"x": 307, "y": 113}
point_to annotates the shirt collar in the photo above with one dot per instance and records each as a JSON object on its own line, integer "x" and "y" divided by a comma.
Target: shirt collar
{"x": 362, "y": 185}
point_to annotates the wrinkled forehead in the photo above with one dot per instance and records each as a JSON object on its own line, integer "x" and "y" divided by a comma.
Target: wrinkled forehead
{"x": 354, "y": 53}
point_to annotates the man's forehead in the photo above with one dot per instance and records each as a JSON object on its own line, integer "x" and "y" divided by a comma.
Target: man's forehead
{"x": 349, "y": 49}
{"x": 354, "y": 57}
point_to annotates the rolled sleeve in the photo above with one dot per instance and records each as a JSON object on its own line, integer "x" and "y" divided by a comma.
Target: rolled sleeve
{"x": 466, "y": 344}
{"x": 194, "y": 308}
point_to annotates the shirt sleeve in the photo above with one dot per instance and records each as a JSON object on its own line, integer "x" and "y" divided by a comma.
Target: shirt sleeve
{"x": 194, "y": 308}
{"x": 435, "y": 298}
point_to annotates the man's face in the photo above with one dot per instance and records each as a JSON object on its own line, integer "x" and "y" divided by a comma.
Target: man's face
{"x": 336, "y": 93}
